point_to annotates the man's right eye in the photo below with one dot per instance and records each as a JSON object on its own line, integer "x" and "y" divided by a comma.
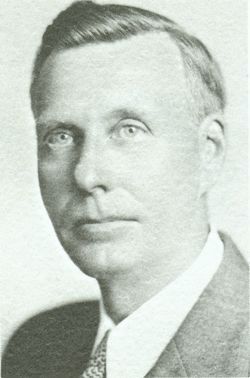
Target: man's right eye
{"x": 59, "y": 139}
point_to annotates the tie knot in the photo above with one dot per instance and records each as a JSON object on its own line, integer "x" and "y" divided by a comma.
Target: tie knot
{"x": 96, "y": 367}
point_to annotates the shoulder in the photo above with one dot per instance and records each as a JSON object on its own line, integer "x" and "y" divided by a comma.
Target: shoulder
{"x": 219, "y": 320}
{"x": 226, "y": 297}
{"x": 55, "y": 343}
{"x": 232, "y": 277}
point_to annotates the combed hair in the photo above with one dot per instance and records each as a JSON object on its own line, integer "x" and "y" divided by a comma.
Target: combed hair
{"x": 86, "y": 22}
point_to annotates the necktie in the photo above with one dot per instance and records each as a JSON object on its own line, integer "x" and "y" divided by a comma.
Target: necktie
{"x": 96, "y": 367}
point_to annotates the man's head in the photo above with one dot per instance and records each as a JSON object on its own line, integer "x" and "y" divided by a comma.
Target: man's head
{"x": 128, "y": 109}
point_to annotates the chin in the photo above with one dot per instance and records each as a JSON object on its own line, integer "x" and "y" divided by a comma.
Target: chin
{"x": 102, "y": 260}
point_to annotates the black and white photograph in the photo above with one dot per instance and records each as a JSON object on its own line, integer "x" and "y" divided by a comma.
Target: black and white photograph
{"x": 124, "y": 194}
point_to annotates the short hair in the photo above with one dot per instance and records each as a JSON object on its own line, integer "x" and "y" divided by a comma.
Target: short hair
{"x": 85, "y": 22}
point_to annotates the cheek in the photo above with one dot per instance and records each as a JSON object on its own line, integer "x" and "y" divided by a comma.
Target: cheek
{"x": 164, "y": 166}
{"x": 55, "y": 182}
{"x": 56, "y": 166}
{"x": 165, "y": 174}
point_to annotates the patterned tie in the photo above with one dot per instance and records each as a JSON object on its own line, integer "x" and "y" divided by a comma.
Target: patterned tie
{"x": 96, "y": 367}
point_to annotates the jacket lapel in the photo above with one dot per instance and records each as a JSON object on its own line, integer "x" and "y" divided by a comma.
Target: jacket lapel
{"x": 169, "y": 364}
{"x": 208, "y": 343}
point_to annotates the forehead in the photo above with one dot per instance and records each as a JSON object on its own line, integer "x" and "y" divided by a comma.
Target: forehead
{"x": 143, "y": 68}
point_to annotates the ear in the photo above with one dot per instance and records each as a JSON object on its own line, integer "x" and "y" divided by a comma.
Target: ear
{"x": 212, "y": 146}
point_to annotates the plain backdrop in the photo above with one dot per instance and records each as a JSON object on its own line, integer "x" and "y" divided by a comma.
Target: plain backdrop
{"x": 36, "y": 273}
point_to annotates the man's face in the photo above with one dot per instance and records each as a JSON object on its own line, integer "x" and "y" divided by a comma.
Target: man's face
{"x": 117, "y": 153}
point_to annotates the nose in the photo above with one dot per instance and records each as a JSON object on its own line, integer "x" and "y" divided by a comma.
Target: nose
{"x": 90, "y": 170}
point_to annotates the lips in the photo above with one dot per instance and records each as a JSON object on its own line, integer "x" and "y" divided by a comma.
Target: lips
{"x": 106, "y": 229}
{"x": 103, "y": 220}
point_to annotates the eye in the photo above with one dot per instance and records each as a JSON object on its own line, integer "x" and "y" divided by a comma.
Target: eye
{"x": 129, "y": 131}
{"x": 59, "y": 139}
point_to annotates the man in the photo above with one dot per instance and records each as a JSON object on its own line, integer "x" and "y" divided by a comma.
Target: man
{"x": 129, "y": 114}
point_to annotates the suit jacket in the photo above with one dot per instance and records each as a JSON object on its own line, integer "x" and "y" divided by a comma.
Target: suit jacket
{"x": 211, "y": 342}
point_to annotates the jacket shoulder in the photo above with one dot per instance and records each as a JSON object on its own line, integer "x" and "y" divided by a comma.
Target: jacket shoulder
{"x": 211, "y": 337}
{"x": 55, "y": 343}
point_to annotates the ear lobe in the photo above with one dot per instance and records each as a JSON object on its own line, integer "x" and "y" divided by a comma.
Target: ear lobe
{"x": 212, "y": 151}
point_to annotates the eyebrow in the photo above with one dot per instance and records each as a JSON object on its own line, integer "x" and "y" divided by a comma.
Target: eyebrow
{"x": 129, "y": 113}
{"x": 49, "y": 123}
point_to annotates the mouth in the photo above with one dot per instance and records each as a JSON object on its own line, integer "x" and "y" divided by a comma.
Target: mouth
{"x": 100, "y": 221}
{"x": 104, "y": 229}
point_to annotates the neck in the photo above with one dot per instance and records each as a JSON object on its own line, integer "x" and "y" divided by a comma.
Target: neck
{"x": 123, "y": 293}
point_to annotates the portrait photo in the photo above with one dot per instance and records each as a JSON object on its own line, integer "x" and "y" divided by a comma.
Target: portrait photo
{"x": 124, "y": 201}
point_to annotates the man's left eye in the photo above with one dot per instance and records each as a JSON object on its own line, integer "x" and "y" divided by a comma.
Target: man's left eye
{"x": 129, "y": 132}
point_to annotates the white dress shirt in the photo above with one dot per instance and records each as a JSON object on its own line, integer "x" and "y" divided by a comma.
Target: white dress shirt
{"x": 135, "y": 344}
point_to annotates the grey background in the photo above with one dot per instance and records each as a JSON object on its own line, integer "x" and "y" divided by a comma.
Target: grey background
{"x": 36, "y": 273}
